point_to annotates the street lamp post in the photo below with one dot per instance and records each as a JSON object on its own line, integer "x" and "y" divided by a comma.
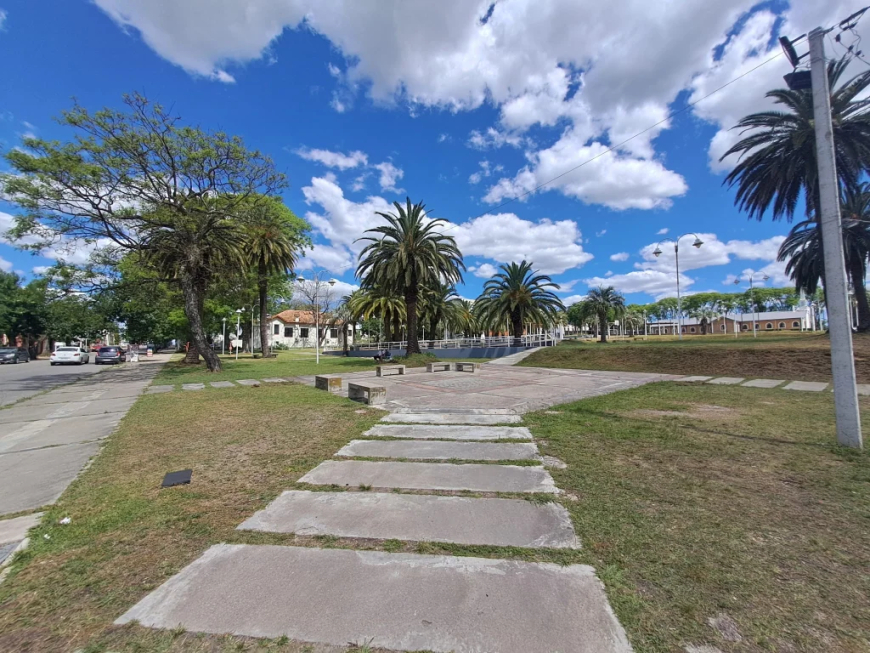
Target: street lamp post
{"x": 316, "y": 280}
{"x": 754, "y": 302}
{"x": 658, "y": 252}
{"x": 224, "y": 337}
{"x": 238, "y": 329}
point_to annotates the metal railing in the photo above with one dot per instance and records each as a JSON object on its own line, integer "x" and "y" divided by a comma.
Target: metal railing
{"x": 539, "y": 340}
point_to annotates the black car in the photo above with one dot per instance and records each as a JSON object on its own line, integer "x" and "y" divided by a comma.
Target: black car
{"x": 14, "y": 355}
{"x": 110, "y": 355}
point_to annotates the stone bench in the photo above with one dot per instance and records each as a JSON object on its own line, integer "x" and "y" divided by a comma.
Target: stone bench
{"x": 370, "y": 394}
{"x": 391, "y": 369}
{"x": 328, "y": 383}
{"x": 467, "y": 367}
{"x": 437, "y": 367}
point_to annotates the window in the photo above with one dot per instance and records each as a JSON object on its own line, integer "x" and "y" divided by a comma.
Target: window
{"x": 692, "y": 329}
{"x": 795, "y": 325}
{"x": 756, "y": 325}
{"x": 333, "y": 333}
{"x": 744, "y": 327}
{"x": 769, "y": 326}
{"x": 277, "y": 329}
{"x": 303, "y": 332}
{"x": 288, "y": 332}
{"x": 782, "y": 325}
{"x": 722, "y": 327}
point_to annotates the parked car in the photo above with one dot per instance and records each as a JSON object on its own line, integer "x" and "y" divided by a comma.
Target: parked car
{"x": 14, "y": 355}
{"x": 110, "y": 355}
{"x": 69, "y": 356}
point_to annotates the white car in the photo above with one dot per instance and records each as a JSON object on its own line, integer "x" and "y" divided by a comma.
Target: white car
{"x": 69, "y": 356}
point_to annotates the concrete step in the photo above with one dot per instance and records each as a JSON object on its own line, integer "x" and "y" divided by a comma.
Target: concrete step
{"x": 434, "y": 432}
{"x": 438, "y": 450}
{"x": 418, "y": 518}
{"x": 398, "y": 601}
{"x": 451, "y": 418}
{"x": 431, "y": 476}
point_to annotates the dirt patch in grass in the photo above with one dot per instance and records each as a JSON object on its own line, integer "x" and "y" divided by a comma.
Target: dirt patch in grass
{"x": 754, "y": 522}
{"x": 127, "y": 536}
{"x": 805, "y": 358}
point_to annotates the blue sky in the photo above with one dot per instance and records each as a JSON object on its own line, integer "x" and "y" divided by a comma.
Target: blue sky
{"x": 361, "y": 105}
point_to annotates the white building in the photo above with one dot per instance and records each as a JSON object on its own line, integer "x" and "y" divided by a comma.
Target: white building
{"x": 297, "y": 329}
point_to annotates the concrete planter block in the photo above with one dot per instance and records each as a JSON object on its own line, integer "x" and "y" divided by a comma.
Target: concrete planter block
{"x": 328, "y": 383}
{"x": 387, "y": 370}
{"x": 467, "y": 367}
{"x": 370, "y": 394}
{"x": 437, "y": 367}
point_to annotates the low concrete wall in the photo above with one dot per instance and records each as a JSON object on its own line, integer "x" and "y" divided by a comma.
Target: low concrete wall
{"x": 466, "y": 352}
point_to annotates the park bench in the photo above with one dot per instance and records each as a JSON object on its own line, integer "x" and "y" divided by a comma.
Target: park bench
{"x": 437, "y": 367}
{"x": 467, "y": 367}
{"x": 370, "y": 394}
{"x": 391, "y": 369}
{"x": 328, "y": 383}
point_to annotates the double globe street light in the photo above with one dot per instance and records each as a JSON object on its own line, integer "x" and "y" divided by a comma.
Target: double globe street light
{"x": 317, "y": 283}
{"x": 658, "y": 252}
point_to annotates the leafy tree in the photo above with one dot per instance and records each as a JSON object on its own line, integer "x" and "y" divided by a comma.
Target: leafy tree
{"x": 778, "y": 156}
{"x": 518, "y": 296}
{"x": 604, "y": 303}
{"x": 137, "y": 180}
{"x": 408, "y": 254}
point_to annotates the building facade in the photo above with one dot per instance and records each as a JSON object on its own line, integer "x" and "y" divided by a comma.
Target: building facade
{"x": 298, "y": 329}
{"x": 797, "y": 320}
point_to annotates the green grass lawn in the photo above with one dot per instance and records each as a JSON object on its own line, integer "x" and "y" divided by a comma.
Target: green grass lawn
{"x": 789, "y": 356}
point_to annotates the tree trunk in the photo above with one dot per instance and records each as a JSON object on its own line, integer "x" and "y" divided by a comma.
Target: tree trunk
{"x": 344, "y": 328}
{"x": 602, "y": 324}
{"x": 411, "y": 309}
{"x": 856, "y": 274}
{"x": 263, "y": 288}
{"x": 194, "y": 297}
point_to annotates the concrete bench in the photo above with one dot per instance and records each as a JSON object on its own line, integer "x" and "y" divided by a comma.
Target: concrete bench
{"x": 391, "y": 369}
{"x": 328, "y": 383}
{"x": 467, "y": 367}
{"x": 370, "y": 394}
{"x": 437, "y": 367}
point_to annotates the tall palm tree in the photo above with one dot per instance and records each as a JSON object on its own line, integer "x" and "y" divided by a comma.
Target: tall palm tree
{"x": 381, "y": 303}
{"x": 407, "y": 254}
{"x": 438, "y": 307}
{"x": 518, "y": 296}
{"x": 463, "y": 320}
{"x": 604, "y": 303}
{"x": 347, "y": 312}
{"x": 271, "y": 245}
{"x": 778, "y": 156}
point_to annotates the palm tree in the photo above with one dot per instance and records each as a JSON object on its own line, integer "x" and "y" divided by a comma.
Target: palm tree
{"x": 633, "y": 320}
{"x": 464, "y": 320}
{"x": 438, "y": 307}
{"x": 517, "y": 296}
{"x": 705, "y": 315}
{"x": 604, "y": 303}
{"x": 407, "y": 254}
{"x": 780, "y": 149}
{"x": 347, "y": 312}
{"x": 271, "y": 244}
{"x": 381, "y": 303}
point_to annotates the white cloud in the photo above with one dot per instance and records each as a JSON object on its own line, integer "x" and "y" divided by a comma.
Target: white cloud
{"x": 484, "y": 270}
{"x": 342, "y": 289}
{"x": 654, "y": 282}
{"x": 443, "y": 137}
{"x": 5, "y": 266}
{"x": 493, "y": 139}
{"x": 390, "y": 174}
{"x": 359, "y": 183}
{"x": 573, "y": 299}
{"x": 3, "y": 16}
{"x": 775, "y": 271}
{"x": 335, "y": 259}
{"x": 567, "y": 286}
{"x": 662, "y": 232}
{"x": 486, "y": 170}
{"x": 334, "y": 159}
{"x": 712, "y": 252}
{"x": 619, "y": 256}
{"x": 39, "y": 270}
{"x": 599, "y": 234}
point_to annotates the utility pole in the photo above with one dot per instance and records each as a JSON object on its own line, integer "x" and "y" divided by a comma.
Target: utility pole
{"x": 842, "y": 359}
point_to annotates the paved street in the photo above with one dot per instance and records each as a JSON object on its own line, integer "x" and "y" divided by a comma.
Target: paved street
{"x": 27, "y": 379}
{"x": 47, "y": 439}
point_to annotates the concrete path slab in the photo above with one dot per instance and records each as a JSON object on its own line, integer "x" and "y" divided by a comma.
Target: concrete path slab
{"x": 726, "y": 380}
{"x": 863, "y": 389}
{"x": 275, "y": 380}
{"x": 223, "y": 384}
{"x": 431, "y": 476}
{"x": 438, "y": 450}
{"x": 450, "y": 418}
{"x": 36, "y": 434}
{"x": 695, "y": 379}
{"x": 763, "y": 383}
{"x": 403, "y": 601}
{"x": 418, "y": 518}
{"x": 807, "y": 386}
{"x": 459, "y": 411}
{"x": 193, "y": 386}
{"x": 15, "y": 530}
{"x": 157, "y": 389}
{"x": 435, "y": 432}
{"x": 248, "y": 382}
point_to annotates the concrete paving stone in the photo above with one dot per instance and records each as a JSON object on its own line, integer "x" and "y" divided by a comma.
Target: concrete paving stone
{"x": 695, "y": 379}
{"x": 156, "y": 389}
{"x": 275, "y": 380}
{"x": 431, "y": 476}
{"x": 248, "y": 382}
{"x": 763, "y": 383}
{"x": 450, "y": 418}
{"x": 453, "y": 400}
{"x": 436, "y": 432}
{"x": 418, "y": 518}
{"x": 438, "y": 450}
{"x": 223, "y": 384}
{"x": 863, "y": 389}
{"x": 459, "y": 411}
{"x": 404, "y": 601}
{"x": 807, "y": 386}
{"x": 15, "y": 530}
{"x": 7, "y": 550}
{"x": 726, "y": 380}
{"x": 193, "y": 386}
{"x": 52, "y": 432}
